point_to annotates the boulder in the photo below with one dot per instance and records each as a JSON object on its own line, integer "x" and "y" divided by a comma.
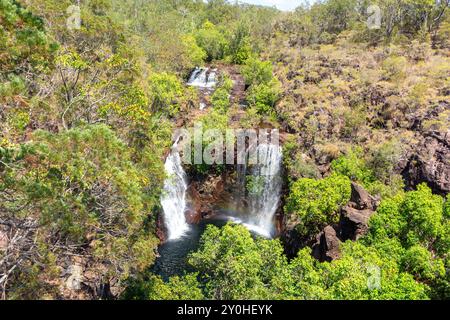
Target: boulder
{"x": 360, "y": 199}
{"x": 354, "y": 223}
{"x": 327, "y": 245}
{"x": 430, "y": 163}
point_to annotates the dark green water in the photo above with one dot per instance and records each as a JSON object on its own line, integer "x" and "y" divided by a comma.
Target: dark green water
{"x": 173, "y": 254}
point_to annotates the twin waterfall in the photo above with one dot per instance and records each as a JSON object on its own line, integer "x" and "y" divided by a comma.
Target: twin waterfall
{"x": 258, "y": 187}
{"x": 262, "y": 203}
{"x": 173, "y": 199}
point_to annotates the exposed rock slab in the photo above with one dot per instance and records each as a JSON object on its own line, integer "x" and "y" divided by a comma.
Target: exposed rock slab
{"x": 360, "y": 199}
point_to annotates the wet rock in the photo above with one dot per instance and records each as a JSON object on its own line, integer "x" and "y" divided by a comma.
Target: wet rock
{"x": 202, "y": 197}
{"x": 194, "y": 204}
{"x": 327, "y": 245}
{"x": 161, "y": 231}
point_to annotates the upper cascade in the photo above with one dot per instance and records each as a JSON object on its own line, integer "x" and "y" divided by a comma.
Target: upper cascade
{"x": 203, "y": 78}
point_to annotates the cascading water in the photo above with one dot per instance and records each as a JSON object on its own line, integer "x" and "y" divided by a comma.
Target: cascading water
{"x": 203, "y": 78}
{"x": 262, "y": 192}
{"x": 173, "y": 199}
{"x": 264, "y": 201}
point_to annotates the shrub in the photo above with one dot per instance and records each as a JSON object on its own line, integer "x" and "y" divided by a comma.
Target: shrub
{"x": 257, "y": 72}
{"x": 353, "y": 166}
{"x": 418, "y": 261}
{"x": 315, "y": 203}
{"x": 264, "y": 96}
{"x": 165, "y": 89}
{"x": 212, "y": 41}
{"x": 394, "y": 68}
{"x": 196, "y": 54}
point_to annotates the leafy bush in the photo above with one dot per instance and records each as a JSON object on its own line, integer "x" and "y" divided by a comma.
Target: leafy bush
{"x": 234, "y": 265}
{"x": 220, "y": 100}
{"x": 264, "y": 97}
{"x": 424, "y": 213}
{"x": 165, "y": 89}
{"x": 154, "y": 288}
{"x": 196, "y": 54}
{"x": 230, "y": 257}
{"x": 394, "y": 68}
{"x": 212, "y": 41}
{"x": 24, "y": 43}
{"x": 313, "y": 204}
{"x": 353, "y": 166}
{"x": 257, "y": 72}
{"x": 417, "y": 221}
{"x": 419, "y": 262}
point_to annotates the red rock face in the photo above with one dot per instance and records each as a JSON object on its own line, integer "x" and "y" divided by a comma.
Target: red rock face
{"x": 203, "y": 197}
{"x": 161, "y": 231}
{"x": 194, "y": 211}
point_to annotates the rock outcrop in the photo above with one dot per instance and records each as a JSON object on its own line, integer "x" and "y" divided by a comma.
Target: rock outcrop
{"x": 360, "y": 199}
{"x": 327, "y": 246}
{"x": 202, "y": 197}
{"x": 354, "y": 221}
{"x": 353, "y": 224}
{"x": 430, "y": 163}
{"x": 195, "y": 206}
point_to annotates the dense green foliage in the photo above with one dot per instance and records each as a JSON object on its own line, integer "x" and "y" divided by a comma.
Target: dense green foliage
{"x": 233, "y": 265}
{"x": 396, "y": 260}
{"x": 315, "y": 203}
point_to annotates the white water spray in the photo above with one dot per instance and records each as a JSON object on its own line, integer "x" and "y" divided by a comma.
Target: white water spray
{"x": 173, "y": 199}
{"x": 264, "y": 203}
{"x": 203, "y": 78}
{"x": 264, "y": 197}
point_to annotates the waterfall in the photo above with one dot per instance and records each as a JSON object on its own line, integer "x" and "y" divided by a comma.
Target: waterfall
{"x": 266, "y": 174}
{"x": 203, "y": 78}
{"x": 173, "y": 199}
{"x": 264, "y": 195}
